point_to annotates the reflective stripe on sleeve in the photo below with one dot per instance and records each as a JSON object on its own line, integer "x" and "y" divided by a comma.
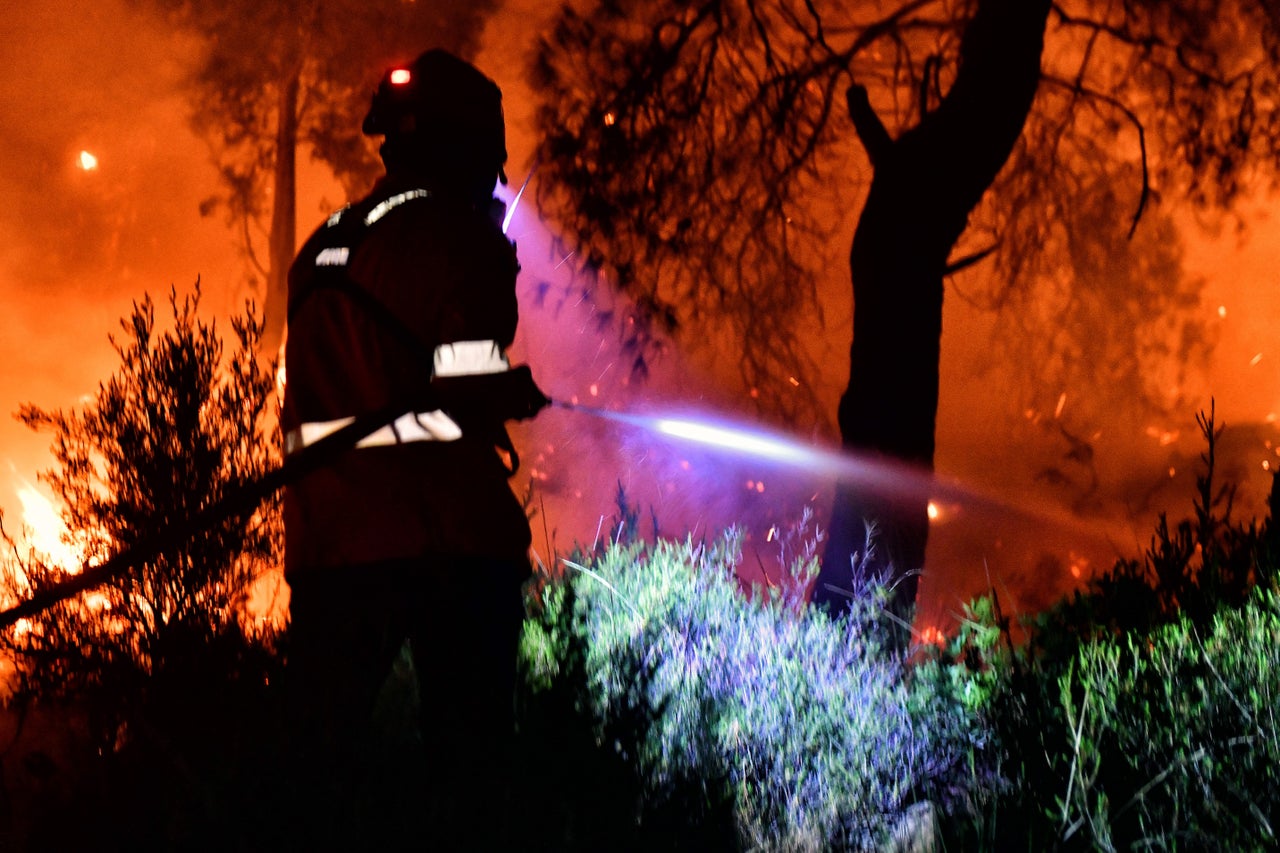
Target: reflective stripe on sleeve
{"x": 411, "y": 426}
{"x": 469, "y": 358}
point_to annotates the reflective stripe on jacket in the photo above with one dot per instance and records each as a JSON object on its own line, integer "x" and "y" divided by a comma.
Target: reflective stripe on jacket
{"x": 462, "y": 358}
{"x": 444, "y": 273}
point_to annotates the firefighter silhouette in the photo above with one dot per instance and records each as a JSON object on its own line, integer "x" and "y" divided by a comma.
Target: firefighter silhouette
{"x": 406, "y": 299}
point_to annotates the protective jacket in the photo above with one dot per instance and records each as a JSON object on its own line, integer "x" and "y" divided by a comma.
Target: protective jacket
{"x": 406, "y": 297}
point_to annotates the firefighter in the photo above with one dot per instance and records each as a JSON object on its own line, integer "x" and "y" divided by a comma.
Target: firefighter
{"x": 406, "y": 299}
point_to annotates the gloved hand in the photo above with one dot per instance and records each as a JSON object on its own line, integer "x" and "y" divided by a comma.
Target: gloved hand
{"x": 510, "y": 395}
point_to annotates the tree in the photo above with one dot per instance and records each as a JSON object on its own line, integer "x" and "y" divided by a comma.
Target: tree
{"x": 683, "y": 143}
{"x": 172, "y": 431}
{"x": 273, "y": 77}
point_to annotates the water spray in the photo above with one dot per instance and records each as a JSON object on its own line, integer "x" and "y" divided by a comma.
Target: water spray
{"x": 515, "y": 202}
{"x": 881, "y": 474}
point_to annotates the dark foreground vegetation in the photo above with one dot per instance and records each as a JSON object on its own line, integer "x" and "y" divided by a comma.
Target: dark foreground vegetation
{"x": 664, "y": 707}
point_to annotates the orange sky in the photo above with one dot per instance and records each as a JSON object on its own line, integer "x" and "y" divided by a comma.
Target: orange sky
{"x": 77, "y": 246}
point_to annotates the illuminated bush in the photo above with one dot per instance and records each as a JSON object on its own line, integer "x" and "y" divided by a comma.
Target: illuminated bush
{"x": 806, "y": 726}
{"x": 1140, "y": 714}
{"x": 1174, "y": 737}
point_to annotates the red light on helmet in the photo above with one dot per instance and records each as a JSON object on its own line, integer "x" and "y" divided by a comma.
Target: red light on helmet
{"x": 400, "y": 76}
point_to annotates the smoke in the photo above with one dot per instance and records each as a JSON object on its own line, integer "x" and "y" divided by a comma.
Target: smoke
{"x": 78, "y": 245}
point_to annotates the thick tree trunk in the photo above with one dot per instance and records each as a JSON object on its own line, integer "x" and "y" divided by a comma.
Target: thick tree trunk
{"x": 281, "y": 242}
{"x": 924, "y": 186}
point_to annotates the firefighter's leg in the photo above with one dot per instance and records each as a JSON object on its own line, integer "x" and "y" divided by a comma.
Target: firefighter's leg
{"x": 464, "y": 648}
{"x": 345, "y": 630}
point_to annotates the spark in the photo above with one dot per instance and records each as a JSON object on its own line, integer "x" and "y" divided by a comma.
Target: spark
{"x": 1222, "y": 311}
{"x": 1062, "y": 404}
{"x": 1253, "y": 362}
{"x": 401, "y": 76}
{"x": 87, "y": 161}
{"x": 934, "y": 511}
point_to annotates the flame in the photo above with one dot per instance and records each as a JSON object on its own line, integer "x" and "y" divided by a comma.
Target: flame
{"x": 46, "y": 528}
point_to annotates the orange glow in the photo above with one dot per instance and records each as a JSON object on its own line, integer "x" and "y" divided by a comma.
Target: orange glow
{"x": 46, "y": 528}
{"x": 933, "y": 636}
{"x": 1079, "y": 565}
{"x": 400, "y": 76}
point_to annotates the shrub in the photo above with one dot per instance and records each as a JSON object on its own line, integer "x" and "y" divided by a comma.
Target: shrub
{"x": 806, "y": 727}
{"x": 1139, "y": 712}
{"x": 1171, "y": 737}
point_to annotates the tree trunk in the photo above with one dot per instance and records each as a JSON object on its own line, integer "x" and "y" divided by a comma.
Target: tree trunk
{"x": 924, "y": 186}
{"x": 281, "y": 242}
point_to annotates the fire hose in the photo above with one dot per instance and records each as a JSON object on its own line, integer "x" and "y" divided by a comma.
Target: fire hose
{"x": 241, "y": 499}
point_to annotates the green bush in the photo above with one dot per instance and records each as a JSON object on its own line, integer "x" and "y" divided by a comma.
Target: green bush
{"x": 1139, "y": 714}
{"x": 1173, "y": 738}
{"x": 806, "y": 727}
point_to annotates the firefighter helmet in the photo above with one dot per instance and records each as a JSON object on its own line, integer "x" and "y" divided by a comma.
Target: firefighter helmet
{"x": 439, "y": 97}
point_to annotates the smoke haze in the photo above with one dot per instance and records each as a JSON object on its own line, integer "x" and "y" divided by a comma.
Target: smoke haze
{"x": 77, "y": 246}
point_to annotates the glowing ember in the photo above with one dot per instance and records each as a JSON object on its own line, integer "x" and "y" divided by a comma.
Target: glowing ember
{"x": 933, "y": 636}
{"x": 400, "y": 76}
{"x": 934, "y": 512}
{"x": 87, "y": 161}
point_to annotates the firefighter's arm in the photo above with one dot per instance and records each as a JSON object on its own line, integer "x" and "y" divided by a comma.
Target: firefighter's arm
{"x": 474, "y": 383}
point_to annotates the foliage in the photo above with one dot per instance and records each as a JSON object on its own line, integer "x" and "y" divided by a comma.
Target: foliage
{"x": 1174, "y": 739}
{"x": 806, "y": 727}
{"x": 698, "y": 155}
{"x": 1140, "y": 711}
{"x": 173, "y": 430}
